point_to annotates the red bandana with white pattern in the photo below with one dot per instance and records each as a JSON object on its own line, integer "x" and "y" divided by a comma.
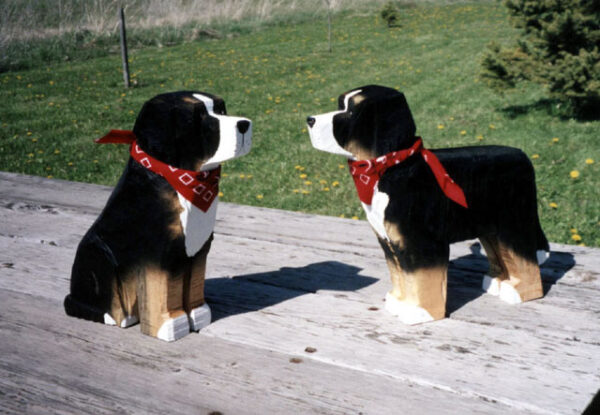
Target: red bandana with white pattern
{"x": 200, "y": 188}
{"x": 366, "y": 173}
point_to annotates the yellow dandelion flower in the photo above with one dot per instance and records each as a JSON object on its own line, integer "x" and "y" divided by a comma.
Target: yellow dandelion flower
{"x": 29, "y": 133}
{"x": 30, "y": 155}
{"x": 305, "y": 192}
{"x": 70, "y": 163}
{"x": 480, "y": 137}
{"x": 303, "y": 176}
{"x": 241, "y": 176}
{"x": 34, "y": 140}
{"x": 296, "y": 190}
{"x": 342, "y": 216}
{"x": 492, "y": 127}
{"x": 297, "y": 167}
{"x": 555, "y": 140}
{"x": 49, "y": 177}
{"x": 573, "y": 230}
{"x": 341, "y": 166}
{"x": 304, "y": 130}
{"x": 259, "y": 197}
{"x": 224, "y": 175}
{"x": 51, "y": 82}
{"x": 355, "y": 217}
{"x": 553, "y": 205}
{"x": 589, "y": 161}
{"x": 574, "y": 174}
{"x": 451, "y": 118}
{"x": 576, "y": 237}
{"x": 322, "y": 181}
{"x": 463, "y": 132}
{"x": 307, "y": 182}
{"x": 57, "y": 151}
{"x": 535, "y": 156}
{"x": 335, "y": 183}
{"x": 95, "y": 161}
{"x": 220, "y": 194}
{"x": 440, "y": 126}
{"x": 249, "y": 176}
{"x": 326, "y": 189}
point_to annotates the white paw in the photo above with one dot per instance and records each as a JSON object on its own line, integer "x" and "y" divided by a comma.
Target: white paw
{"x": 200, "y": 317}
{"x": 129, "y": 321}
{"x": 407, "y": 313}
{"x": 109, "y": 320}
{"x": 491, "y": 285}
{"x": 542, "y": 256}
{"x": 509, "y": 294}
{"x": 174, "y": 328}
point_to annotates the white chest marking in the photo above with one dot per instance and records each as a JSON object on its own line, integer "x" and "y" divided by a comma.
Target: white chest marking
{"x": 197, "y": 225}
{"x": 376, "y": 211}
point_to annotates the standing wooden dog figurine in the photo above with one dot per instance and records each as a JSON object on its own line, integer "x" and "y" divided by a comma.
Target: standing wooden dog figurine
{"x": 144, "y": 258}
{"x": 417, "y": 209}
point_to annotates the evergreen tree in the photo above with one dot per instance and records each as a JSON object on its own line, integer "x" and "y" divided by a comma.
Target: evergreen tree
{"x": 559, "y": 48}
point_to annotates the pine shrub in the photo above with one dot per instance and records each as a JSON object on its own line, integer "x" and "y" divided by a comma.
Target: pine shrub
{"x": 558, "y": 48}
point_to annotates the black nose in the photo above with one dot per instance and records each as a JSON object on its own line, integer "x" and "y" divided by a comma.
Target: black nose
{"x": 311, "y": 121}
{"x": 243, "y": 126}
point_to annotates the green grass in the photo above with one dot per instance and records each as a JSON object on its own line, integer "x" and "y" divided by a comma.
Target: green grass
{"x": 280, "y": 74}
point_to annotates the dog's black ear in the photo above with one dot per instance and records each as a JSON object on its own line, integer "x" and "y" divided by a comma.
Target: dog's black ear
{"x": 394, "y": 126}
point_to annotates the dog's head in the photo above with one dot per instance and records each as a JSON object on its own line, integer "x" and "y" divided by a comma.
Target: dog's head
{"x": 370, "y": 121}
{"x": 190, "y": 130}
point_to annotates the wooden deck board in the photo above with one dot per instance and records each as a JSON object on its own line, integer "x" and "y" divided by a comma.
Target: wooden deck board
{"x": 274, "y": 291}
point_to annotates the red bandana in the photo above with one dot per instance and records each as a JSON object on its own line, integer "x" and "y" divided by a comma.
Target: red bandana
{"x": 366, "y": 173}
{"x": 200, "y": 188}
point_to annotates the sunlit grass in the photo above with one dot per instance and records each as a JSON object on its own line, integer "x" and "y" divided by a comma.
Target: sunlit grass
{"x": 277, "y": 77}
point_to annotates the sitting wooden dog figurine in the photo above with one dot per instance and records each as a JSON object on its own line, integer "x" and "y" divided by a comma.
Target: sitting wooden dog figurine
{"x": 417, "y": 210}
{"x": 144, "y": 258}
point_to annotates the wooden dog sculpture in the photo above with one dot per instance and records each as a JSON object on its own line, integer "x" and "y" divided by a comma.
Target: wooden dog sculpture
{"x": 144, "y": 258}
{"x": 417, "y": 210}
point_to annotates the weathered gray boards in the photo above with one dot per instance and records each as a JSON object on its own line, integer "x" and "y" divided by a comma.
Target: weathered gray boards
{"x": 299, "y": 325}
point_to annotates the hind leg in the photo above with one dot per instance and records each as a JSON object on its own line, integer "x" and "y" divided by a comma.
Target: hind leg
{"x": 514, "y": 277}
{"x": 193, "y": 297}
{"x": 160, "y": 304}
{"x": 96, "y": 293}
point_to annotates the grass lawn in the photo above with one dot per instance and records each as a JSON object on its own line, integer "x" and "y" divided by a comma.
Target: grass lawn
{"x": 277, "y": 76}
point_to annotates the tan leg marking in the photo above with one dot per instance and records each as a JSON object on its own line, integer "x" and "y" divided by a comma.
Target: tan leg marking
{"x": 424, "y": 288}
{"x": 160, "y": 298}
{"x": 513, "y": 277}
{"x": 124, "y": 307}
{"x": 193, "y": 293}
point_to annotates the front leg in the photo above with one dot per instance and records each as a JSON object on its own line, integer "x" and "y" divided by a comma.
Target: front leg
{"x": 193, "y": 295}
{"x": 419, "y": 281}
{"x": 160, "y": 304}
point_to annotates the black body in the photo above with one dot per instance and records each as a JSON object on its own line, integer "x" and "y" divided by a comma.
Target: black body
{"x": 139, "y": 228}
{"x": 499, "y": 185}
{"x": 498, "y": 182}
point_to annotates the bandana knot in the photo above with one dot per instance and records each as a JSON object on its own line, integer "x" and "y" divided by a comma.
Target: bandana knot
{"x": 200, "y": 188}
{"x": 366, "y": 173}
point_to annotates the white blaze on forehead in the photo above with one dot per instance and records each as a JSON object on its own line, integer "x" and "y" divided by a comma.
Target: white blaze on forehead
{"x": 209, "y": 103}
{"x": 348, "y": 96}
{"x": 232, "y": 143}
{"x": 321, "y": 133}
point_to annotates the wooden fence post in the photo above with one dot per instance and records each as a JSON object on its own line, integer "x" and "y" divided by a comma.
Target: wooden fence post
{"x": 124, "y": 49}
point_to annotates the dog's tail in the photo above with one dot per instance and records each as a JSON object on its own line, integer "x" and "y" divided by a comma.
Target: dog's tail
{"x": 78, "y": 309}
{"x": 543, "y": 248}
